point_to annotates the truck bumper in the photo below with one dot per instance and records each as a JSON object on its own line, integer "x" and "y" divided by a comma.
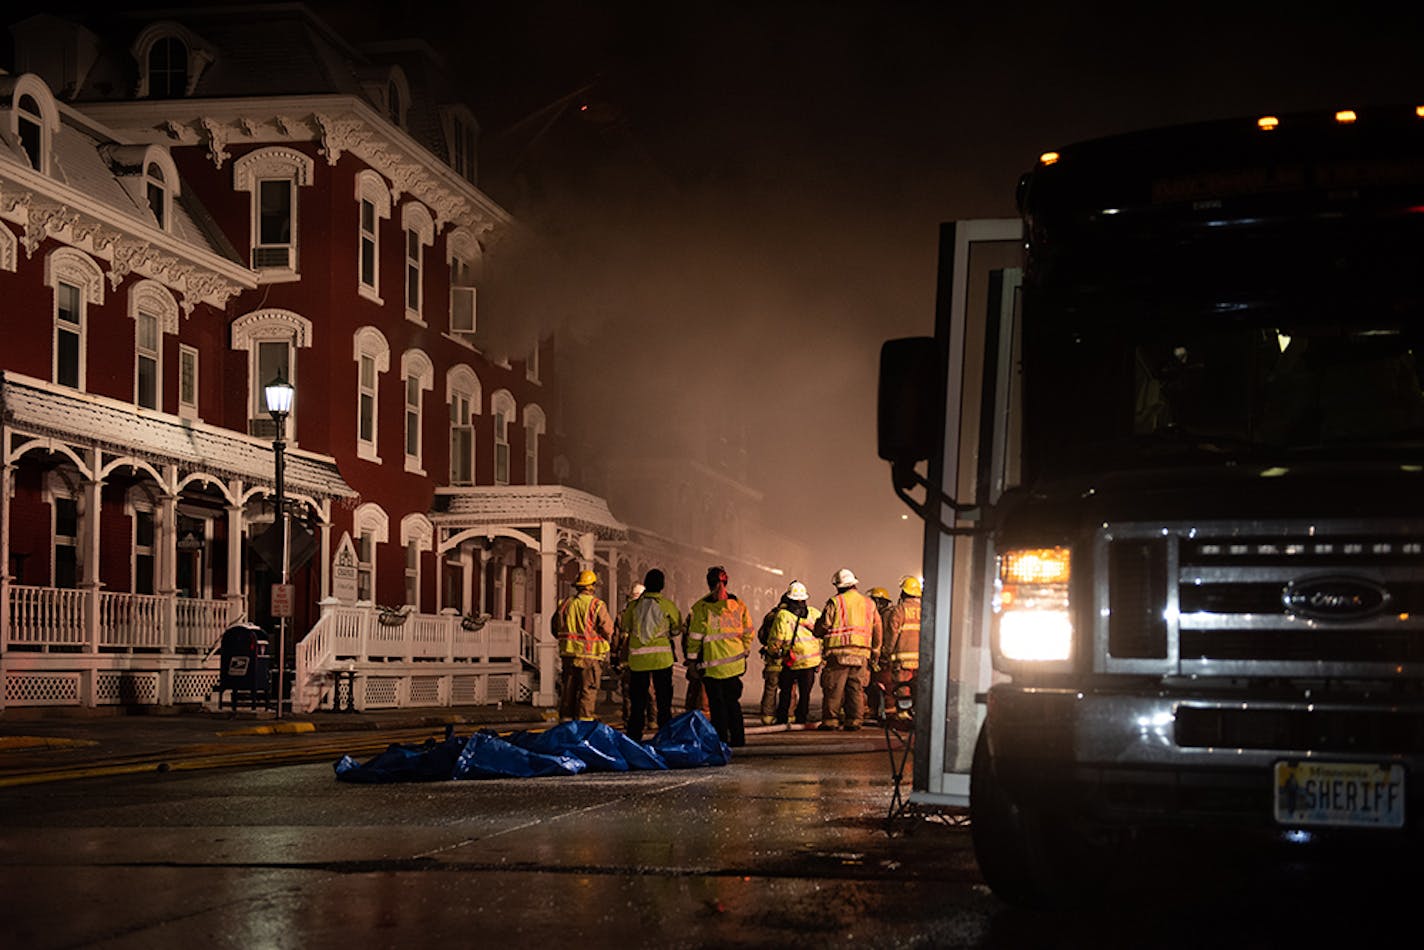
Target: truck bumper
{"x": 1135, "y": 758}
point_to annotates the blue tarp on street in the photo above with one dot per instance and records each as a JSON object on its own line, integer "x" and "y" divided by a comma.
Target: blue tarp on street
{"x": 688, "y": 741}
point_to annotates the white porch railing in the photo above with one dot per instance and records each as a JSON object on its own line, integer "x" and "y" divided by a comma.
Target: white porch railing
{"x": 61, "y": 617}
{"x": 422, "y": 648}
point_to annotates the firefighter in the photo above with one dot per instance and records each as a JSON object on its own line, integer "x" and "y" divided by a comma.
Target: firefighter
{"x": 794, "y": 642}
{"x": 584, "y": 628}
{"x": 719, "y": 636}
{"x": 875, "y": 691}
{"x": 850, "y": 629}
{"x": 649, "y": 623}
{"x": 900, "y": 653}
{"x": 620, "y": 660}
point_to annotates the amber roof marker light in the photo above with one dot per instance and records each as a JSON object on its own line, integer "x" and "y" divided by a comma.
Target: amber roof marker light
{"x": 1267, "y": 122}
{"x": 1048, "y": 158}
{"x": 1346, "y": 116}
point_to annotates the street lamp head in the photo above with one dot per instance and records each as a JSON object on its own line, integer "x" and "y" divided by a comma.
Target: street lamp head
{"x": 279, "y": 396}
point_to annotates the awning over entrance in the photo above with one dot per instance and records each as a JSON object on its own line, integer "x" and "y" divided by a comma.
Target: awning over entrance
{"x": 41, "y": 409}
{"x": 526, "y": 505}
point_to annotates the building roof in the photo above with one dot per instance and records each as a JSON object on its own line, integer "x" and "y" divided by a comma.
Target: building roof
{"x": 516, "y": 505}
{"x": 76, "y": 418}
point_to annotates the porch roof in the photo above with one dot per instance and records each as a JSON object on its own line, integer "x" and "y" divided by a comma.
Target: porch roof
{"x": 526, "y": 505}
{"x": 33, "y": 406}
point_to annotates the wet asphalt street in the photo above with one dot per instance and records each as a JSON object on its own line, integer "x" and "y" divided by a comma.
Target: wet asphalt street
{"x": 785, "y": 847}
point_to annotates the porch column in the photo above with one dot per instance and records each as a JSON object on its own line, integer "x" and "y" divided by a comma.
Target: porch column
{"x": 6, "y": 475}
{"x": 167, "y": 580}
{"x": 325, "y": 572}
{"x": 467, "y": 578}
{"x": 89, "y": 580}
{"x": 483, "y": 559}
{"x": 546, "y": 648}
{"x": 236, "y": 597}
{"x": 611, "y": 590}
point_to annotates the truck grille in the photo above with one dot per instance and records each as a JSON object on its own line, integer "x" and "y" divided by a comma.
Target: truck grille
{"x": 1294, "y": 602}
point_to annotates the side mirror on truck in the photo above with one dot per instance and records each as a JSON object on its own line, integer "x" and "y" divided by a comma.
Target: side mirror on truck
{"x": 909, "y": 402}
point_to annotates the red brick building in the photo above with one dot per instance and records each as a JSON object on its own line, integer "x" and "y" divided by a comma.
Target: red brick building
{"x": 191, "y": 205}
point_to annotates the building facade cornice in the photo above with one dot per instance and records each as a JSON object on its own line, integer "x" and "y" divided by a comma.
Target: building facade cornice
{"x": 46, "y": 208}
{"x": 337, "y": 123}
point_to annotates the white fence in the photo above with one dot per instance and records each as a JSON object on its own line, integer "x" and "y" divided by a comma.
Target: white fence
{"x": 410, "y": 660}
{"x": 50, "y": 617}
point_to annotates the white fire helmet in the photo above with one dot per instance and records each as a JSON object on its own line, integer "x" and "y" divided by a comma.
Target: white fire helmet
{"x": 844, "y": 578}
{"x": 797, "y": 591}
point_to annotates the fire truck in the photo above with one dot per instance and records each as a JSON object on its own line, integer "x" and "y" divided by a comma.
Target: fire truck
{"x": 1168, "y": 446}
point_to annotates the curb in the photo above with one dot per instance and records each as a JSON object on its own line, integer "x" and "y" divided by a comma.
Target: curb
{"x": 276, "y": 728}
{"x": 27, "y": 743}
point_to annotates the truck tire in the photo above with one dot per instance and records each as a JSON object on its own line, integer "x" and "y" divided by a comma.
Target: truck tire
{"x": 1030, "y": 857}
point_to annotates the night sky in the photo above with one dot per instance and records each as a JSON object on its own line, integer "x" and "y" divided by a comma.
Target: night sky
{"x": 759, "y": 206}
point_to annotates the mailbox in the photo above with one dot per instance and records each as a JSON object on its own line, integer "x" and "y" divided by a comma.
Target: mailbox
{"x": 246, "y": 666}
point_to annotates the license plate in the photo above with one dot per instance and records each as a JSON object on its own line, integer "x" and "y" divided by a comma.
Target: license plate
{"x": 1351, "y": 794}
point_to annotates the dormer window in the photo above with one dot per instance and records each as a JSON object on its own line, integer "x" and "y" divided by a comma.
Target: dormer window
{"x": 30, "y": 126}
{"x": 156, "y": 189}
{"x": 168, "y": 69}
{"x": 393, "y": 102}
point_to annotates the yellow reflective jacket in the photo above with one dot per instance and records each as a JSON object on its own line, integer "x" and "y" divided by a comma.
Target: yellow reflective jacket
{"x": 648, "y": 624}
{"x": 584, "y": 627}
{"x": 794, "y": 639}
{"x": 719, "y": 634}
{"x": 902, "y": 638}
{"x": 851, "y": 627}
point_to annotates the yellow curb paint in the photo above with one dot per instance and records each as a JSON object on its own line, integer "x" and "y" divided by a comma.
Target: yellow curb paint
{"x": 279, "y": 728}
{"x": 12, "y": 743}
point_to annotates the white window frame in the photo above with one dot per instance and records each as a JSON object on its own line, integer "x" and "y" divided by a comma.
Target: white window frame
{"x": 53, "y": 494}
{"x": 463, "y": 254}
{"x": 273, "y": 164}
{"x": 188, "y": 356}
{"x": 503, "y": 408}
{"x": 271, "y": 325}
{"x": 149, "y": 298}
{"x": 534, "y": 425}
{"x": 370, "y": 189}
{"x": 463, "y": 394}
{"x": 153, "y": 354}
{"x": 369, "y": 345}
{"x": 369, "y": 520}
{"x": 73, "y": 268}
{"x": 200, "y": 54}
{"x": 137, "y": 509}
{"x": 417, "y": 535}
{"x": 45, "y": 116}
{"x": 418, "y": 232}
{"x": 417, "y": 378}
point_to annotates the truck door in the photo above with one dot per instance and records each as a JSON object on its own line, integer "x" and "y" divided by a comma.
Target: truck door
{"x": 978, "y": 343}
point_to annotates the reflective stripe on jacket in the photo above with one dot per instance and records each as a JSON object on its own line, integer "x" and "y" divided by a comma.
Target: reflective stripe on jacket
{"x": 851, "y": 627}
{"x": 584, "y": 627}
{"x": 794, "y": 638}
{"x": 902, "y": 640}
{"x": 648, "y": 623}
{"x": 719, "y": 634}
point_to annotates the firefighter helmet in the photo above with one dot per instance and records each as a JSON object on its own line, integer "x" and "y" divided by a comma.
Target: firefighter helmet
{"x": 911, "y": 586}
{"x": 586, "y": 579}
{"x": 879, "y": 593}
{"x": 844, "y": 578}
{"x": 797, "y": 591}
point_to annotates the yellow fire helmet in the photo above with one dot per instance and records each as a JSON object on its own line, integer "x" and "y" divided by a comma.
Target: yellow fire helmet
{"x": 586, "y": 579}
{"x": 879, "y": 593}
{"x": 911, "y": 587}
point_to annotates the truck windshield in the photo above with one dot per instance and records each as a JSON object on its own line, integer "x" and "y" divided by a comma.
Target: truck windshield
{"x": 1210, "y": 390}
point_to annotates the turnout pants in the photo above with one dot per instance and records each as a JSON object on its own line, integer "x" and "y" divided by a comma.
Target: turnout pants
{"x": 641, "y": 682}
{"x": 843, "y": 693}
{"x": 724, "y": 696}
{"x": 800, "y": 683}
{"x": 770, "y": 684}
{"x": 578, "y": 688}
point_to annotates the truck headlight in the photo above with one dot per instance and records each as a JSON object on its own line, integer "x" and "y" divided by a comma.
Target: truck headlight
{"x": 1032, "y": 622}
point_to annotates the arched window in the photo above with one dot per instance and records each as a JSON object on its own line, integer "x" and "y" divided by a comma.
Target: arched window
{"x": 77, "y": 282}
{"x": 502, "y": 407}
{"x": 168, "y": 68}
{"x": 154, "y": 312}
{"x": 418, "y": 374}
{"x": 156, "y": 189}
{"x": 533, "y": 429}
{"x": 373, "y": 200}
{"x": 462, "y": 392}
{"x": 373, "y": 356}
{"x": 416, "y": 535}
{"x": 31, "y": 130}
{"x": 271, "y": 338}
{"x": 371, "y": 526}
{"x": 419, "y": 230}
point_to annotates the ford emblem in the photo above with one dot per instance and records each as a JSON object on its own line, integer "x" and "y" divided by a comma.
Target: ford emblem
{"x": 1335, "y": 598}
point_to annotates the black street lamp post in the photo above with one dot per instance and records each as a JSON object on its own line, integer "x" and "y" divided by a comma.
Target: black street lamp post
{"x": 279, "y": 394}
